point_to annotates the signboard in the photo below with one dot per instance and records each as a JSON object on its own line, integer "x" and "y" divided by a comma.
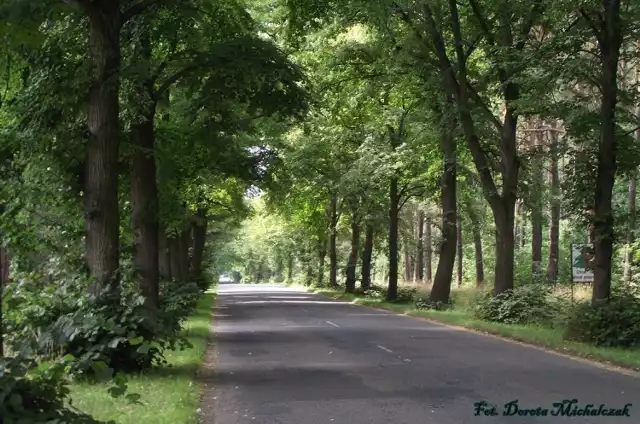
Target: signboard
{"x": 582, "y": 263}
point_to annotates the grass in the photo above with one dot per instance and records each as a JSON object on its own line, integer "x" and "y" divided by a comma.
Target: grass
{"x": 461, "y": 316}
{"x": 169, "y": 395}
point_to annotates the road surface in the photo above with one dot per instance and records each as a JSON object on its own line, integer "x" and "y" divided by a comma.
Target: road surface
{"x": 289, "y": 357}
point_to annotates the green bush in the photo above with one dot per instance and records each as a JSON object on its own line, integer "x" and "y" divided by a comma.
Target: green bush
{"x": 121, "y": 333}
{"x": 428, "y": 304}
{"x": 525, "y": 304}
{"x": 614, "y": 324}
{"x": 36, "y": 394}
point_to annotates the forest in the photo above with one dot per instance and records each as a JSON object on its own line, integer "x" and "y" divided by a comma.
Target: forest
{"x": 435, "y": 155}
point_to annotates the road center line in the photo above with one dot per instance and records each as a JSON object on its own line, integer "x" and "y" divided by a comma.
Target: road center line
{"x": 305, "y": 310}
{"x": 384, "y": 348}
{"x": 331, "y": 323}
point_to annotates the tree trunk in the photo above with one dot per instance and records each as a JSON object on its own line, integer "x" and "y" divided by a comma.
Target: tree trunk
{"x": 407, "y": 259}
{"x": 419, "y": 273}
{"x": 199, "y": 228}
{"x": 428, "y": 252}
{"x": 554, "y": 227}
{"x": 609, "y": 40}
{"x": 290, "y": 268}
{"x": 537, "y": 165}
{"x": 504, "y": 219}
{"x": 333, "y": 223}
{"x": 442, "y": 283}
{"x": 322, "y": 253}
{"x": 101, "y": 208}
{"x": 459, "y": 245}
{"x": 631, "y": 228}
{"x": 4, "y": 280}
{"x": 185, "y": 245}
{"x": 164, "y": 262}
{"x": 367, "y": 254}
{"x": 477, "y": 242}
{"x": 350, "y": 284}
{"x": 173, "y": 242}
{"x": 392, "y": 288}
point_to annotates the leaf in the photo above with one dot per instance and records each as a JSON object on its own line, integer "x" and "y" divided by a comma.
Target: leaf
{"x": 144, "y": 348}
{"x": 136, "y": 341}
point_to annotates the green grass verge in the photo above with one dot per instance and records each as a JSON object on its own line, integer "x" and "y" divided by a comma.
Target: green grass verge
{"x": 538, "y": 336}
{"x": 170, "y": 395}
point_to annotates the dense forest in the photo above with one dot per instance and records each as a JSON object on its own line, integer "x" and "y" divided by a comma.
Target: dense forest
{"x": 399, "y": 149}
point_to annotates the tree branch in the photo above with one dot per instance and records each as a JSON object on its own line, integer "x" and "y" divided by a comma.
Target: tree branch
{"x": 175, "y": 78}
{"x": 482, "y": 21}
{"x": 137, "y": 9}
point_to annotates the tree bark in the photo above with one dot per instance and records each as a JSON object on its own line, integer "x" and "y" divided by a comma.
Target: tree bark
{"x": 537, "y": 165}
{"x": 631, "y": 228}
{"x": 5, "y": 264}
{"x": 290, "y": 268}
{"x": 441, "y": 289}
{"x": 322, "y": 253}
{"x": 554, "y": 227}
{"x": 459, "y": 245}
{"x": 392, "y": 288}
{"x": 428, "y": 251}
{"x": 333, "y": 223}
{"x": 350, "y": 284}
{"x": 164, "y": 262}
{"x": 101, "y": 209}
{"x": 407, "y": 259}
{"x": 419, "y": 273}
{"x": 199, "y": 228}
{"x": 609, "y": 36}
{"x": 367, "y": 254}
{"x": 185, "y": 245}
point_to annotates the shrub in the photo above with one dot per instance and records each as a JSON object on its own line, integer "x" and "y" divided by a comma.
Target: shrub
{"x": 32, "y": 393}
{"x": 428, "y": 304}
{"x": 614, "y": 324}
{"x": 526, "y": 304}
{"x": 123, "y": 333}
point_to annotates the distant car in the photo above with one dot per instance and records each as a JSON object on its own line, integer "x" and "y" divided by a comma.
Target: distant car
{"x": 225, "y": 279}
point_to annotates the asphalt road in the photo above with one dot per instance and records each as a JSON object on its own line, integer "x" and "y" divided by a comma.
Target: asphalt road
{"x": 288, "y": 357}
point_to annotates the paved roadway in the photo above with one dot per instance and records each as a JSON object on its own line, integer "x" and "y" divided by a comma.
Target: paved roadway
{"x": 289, "y": 357}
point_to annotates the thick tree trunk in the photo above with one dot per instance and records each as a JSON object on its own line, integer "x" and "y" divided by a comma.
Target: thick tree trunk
{"x": 199, "y": 228}
{"x": 367, "y": 254}
{"x": 428, "y": 252}
{"x": 5, "y": 264}
{"x": 350, "y": 285}
{"x": 504, "y": 220}
{"x": 554, "y": 227}
{"x": 459, "y": 249}
{"x": 144, "y": 209}
{"x": 442, "y": 282}
{"x": 333, "y": 255}
{"x": 419, "y": 273}
{"x": 609, "y": 40}
{"x": 101, "y": 210}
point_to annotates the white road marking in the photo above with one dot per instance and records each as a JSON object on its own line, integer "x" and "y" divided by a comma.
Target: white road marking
{"x": 406, "y": 360}
{"x": 331, "y": 323}
{"x": 305, "y": 310}
{"x": 385, "y": 349}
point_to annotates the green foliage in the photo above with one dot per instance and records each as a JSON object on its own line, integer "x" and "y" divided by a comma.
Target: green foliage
{"x": 30, "y": 393}
{"x": 525, "y": 304}
{"x": 613, "y": 324}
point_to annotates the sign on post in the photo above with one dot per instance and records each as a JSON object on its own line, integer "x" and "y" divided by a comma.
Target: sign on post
{"x": 582, "y": 263}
